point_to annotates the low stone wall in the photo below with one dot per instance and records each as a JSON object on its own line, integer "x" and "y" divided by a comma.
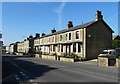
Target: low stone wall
{"x": 51, "y": 57}
{"x": 48, "y": 57}
{"x": 19, "y": 54}
{"x": 37, "y": 55}
{"x": 102, "y": 61}
{"x": 118, "y": 63}
{"x": 67, "y": 59}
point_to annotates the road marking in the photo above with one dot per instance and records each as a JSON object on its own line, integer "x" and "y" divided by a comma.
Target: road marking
{"x": 30, "y": 80}
{"x": 23, "y": 74}
{"x": 26, "y": 77}
{"x": 17, "y": 78}
{"x": 8, "y": 77}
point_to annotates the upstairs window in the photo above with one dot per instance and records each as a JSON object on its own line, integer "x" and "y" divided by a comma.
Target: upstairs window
{"x": 77, "y": 34}
{"x": 69, "y": 36}
{"x": 66, "y": 36}
{"x": 49, "y": 39}
{"x": 60, "y": 37}
{"x": 53, "y": 39}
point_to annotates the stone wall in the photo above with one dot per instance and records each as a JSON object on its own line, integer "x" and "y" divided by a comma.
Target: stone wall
{"x": 48, "y": 57}
{"x": 98, "y": 38}
{"x": 118, "y": 63}
{"x": 102, "y": 61}
{"x": 67, "y": 59}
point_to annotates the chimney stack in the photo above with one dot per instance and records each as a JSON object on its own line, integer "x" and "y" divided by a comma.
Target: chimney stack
{"x": 69, "y": 25}
{"x": 99, "y": 15}
{"x": 30, "y": 36}
{"x": 37, "y": 35}
{"x": 53, "y": 30}
{"x": 43, "y": 34}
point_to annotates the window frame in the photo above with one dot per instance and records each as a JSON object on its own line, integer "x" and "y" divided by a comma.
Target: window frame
{"x": 69, "y": 34}
{"x": 60, "y": 37}
{"x": 77, "y": 36}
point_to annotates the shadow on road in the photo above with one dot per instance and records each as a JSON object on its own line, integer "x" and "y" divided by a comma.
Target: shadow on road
{"x": 12, "y": 66}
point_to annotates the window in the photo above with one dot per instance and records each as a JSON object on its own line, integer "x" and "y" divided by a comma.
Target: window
{"x": 60, "y": 37}
{"x": 53, "y": 48}
{"x": 49, "y": 39}
{"x": 77, "y": 34}
{"x": 53, "y": 39}
{"x": 61, "y": 48}
{"x": 74, "y": 47}
{"x": 58, "y": 48}
{"x": 66, "y": 36}
{"x": 69, "y": 36}
{"x": 79, "y": 48}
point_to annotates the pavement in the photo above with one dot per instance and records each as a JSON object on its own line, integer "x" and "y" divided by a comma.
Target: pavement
{"x": 22, "y": 69}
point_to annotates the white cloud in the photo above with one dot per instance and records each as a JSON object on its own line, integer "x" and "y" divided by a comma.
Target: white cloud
{"x": 59, "y": 11}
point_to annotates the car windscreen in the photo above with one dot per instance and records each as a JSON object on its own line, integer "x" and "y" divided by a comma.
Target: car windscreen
{"x": 104, "y": 52}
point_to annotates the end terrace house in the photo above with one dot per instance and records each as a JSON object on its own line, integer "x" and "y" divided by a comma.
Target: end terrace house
{"x": 85, "y": 40}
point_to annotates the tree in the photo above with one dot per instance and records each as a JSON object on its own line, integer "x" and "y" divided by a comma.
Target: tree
{"x": 115, "y": 43}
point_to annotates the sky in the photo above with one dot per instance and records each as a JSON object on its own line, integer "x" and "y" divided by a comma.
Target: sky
{"x": 21, "y": 19}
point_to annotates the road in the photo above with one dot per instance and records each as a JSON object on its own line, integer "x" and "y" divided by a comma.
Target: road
{"x": 28, "y": 69}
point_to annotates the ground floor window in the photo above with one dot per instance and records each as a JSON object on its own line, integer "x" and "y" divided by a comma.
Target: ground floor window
{"x": 74, "y": 47}
{"x": 53, "y": 48}
{"x": 61, "y": 48}
{"x": 79, "y": 47}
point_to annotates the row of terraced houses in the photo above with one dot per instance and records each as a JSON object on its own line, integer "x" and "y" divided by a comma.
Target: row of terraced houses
{"x": 85, "y": 41}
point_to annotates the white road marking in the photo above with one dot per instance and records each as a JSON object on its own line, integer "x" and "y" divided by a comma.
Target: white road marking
{"x": 30, "y": 80}
{"x": 17, "y": 78}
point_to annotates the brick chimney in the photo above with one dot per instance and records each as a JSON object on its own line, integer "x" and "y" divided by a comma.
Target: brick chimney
{"x": 69, "y": 25}
{"x": 53, "y": 30}
{"x": 98, "y": 15}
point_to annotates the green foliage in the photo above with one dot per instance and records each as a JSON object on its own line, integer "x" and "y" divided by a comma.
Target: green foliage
{"x": 115, "y": 43}
{"x": 70, "y": 55}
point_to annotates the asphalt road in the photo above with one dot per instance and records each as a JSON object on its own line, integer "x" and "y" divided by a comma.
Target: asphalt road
{"x": 20, "y": 69}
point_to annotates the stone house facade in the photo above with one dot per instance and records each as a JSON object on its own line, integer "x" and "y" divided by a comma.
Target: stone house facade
{"x": 27, "y": 45}
{"x": 85, "y": 40}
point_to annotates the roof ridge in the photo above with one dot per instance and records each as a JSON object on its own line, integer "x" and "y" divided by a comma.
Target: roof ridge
{"x": 72, "y": 28}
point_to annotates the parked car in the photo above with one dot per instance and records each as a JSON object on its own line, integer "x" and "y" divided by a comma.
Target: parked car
{"x": 7, "y": 52}
{"x": 109, "y": 52}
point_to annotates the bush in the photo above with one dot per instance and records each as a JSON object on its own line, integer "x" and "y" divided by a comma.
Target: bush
{"x": 115, "y": 43}
{"x": 70, "y": 55}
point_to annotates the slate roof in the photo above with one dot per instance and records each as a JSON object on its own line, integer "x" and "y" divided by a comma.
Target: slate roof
{"x": 115, "y": 36}
{"x": 72, "y": 28}
{"x": 78, "y": 27}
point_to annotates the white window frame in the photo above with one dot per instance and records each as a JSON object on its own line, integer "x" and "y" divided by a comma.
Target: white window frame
{"x": 60, "y": 37}
{"x": 75, "y": 34}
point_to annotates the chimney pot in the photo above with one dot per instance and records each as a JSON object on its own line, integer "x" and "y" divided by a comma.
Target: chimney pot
{"x": 99, "y": 15}
{"x": 37, "y": 35}
{"x": 70, "y": 24}
{"x": 53, "y": 30}
{"x": 43, "y": 34}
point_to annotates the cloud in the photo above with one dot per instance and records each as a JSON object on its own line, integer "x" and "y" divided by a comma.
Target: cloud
{"x": 59, "y": 11}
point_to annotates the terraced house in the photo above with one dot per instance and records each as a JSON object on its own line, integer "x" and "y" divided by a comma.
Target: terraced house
{"x": 26, "y": 46}
{"x": 85, "y": 40}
